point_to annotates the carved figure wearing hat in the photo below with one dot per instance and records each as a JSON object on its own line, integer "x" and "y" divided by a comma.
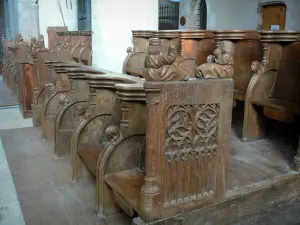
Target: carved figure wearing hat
{"x": 220, "y": 64}
{"x": 163, "y": 67}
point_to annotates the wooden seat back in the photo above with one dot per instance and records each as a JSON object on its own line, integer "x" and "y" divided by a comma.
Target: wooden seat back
{"x": 286, "y": 87}
{"x": 135, "y": 60}
{"x": 248, "y": 48}
{"x": 195, "y": 46}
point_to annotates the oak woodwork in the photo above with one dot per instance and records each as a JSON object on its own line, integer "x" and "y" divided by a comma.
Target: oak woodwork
{"x": 70, "y": 112}
{"x": 248, "y": 48}
{"x": 72, "y": 50}
{"x": 275, "y": 88}
{"x": 178, "y": 141}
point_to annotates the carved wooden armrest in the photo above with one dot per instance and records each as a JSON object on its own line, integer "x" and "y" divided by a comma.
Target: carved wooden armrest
{"x": 261, "y": 85}
{"x": 50, "y": 86}
{"x": 113, "y": 134}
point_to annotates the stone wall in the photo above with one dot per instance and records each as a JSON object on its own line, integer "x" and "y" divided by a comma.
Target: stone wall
{"x": 236, "y": 14}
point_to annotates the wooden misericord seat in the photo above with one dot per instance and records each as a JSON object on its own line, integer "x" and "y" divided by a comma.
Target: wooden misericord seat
{"x": 276, "y": 88}
{"x": 97, "y": 132}
{"x": 44, "y": 78}
{"x": 248, "y": 48}
{"x": 64, "y": 58}
{"x": 72, "y": 107}
{"x": 185, "y": 133}
{"x": 102, "y": 109}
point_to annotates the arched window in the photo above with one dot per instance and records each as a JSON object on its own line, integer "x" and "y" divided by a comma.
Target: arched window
{"x": 202, "y": 15}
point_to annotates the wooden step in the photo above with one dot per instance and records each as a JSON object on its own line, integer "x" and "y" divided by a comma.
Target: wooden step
{"x": 127, "y": 184}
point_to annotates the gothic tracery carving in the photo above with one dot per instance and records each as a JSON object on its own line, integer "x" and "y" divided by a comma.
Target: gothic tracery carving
{"x": 193, "y": 130}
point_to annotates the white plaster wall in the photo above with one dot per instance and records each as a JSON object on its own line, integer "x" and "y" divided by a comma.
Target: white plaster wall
{"x": 28, "y": 18}
{"x": 50, "y": 15}
{"x": 238, "y": 14}
{"x": 112, "y": 23}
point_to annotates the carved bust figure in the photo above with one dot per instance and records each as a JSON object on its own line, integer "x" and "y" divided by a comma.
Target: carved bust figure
{"x": 162, "y": 67}
{"x": 113, "y": 134}
{"x": 256, "y": 67}
{"x": 220, "y": 64}
{"x": 19, "y": 38}
{"x": 64, "y": 100}
{"x": 80, "y": 110}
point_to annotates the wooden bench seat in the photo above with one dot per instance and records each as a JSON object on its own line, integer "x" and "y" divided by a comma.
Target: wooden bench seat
{"x": 127, "y": 186}
{"x": 170, "y": 185}
{"x": 278, "y": 104}
{"x": 275, "y": 87}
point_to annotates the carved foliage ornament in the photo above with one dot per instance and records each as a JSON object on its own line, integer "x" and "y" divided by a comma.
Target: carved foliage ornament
{"x": 191, "y": 132}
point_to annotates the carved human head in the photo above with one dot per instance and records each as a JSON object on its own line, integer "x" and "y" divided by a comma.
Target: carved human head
{"x": 255, "y": 66}
{"x": 80, "y": 110}
{"x": 154, "y": 46}
{"x": 41, "y": 41}
{"x": 227, "y": 47}
{"x": 19, "y": 37}
{"x": 112, "y": 133}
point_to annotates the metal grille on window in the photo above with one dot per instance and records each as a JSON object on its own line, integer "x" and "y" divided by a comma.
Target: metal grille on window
{"x": 84, "y": 15}
{"x": 169, "y": 17}
{"x": 202, "y": 15}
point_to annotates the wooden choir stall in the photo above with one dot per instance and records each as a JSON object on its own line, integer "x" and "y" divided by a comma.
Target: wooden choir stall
{"x": 162, "y": 139}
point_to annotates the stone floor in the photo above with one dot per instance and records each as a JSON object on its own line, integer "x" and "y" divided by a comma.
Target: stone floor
{"x": 6, "y": 97}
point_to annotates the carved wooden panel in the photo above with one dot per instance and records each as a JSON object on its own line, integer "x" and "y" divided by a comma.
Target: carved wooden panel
{"x": 187, "y": 145}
